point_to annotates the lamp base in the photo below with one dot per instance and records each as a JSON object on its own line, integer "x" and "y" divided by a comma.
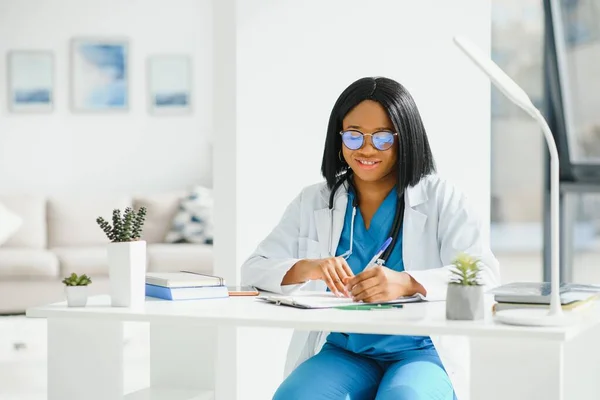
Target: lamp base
{"x": 535, "y": 317}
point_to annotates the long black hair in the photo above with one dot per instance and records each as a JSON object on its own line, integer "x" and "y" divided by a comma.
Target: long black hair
{"x": 415, "y": 159}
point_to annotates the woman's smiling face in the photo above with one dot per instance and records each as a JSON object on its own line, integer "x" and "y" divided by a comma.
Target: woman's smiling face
{"x": 367, "y": 162}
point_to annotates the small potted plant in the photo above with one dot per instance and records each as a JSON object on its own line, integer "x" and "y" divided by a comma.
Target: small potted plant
{"x": 76, "y": 288}
{"x": 126, "y": 256}
{"x": 464, "y": 299}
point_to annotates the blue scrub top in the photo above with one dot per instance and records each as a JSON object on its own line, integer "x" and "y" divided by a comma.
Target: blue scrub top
{"x": 366, "y": 243}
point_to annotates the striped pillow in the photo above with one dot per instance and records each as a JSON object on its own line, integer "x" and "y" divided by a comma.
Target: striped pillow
{"x": 193, "y": 222}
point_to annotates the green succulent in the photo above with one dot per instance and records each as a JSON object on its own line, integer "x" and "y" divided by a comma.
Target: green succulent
{"x": 136, "y": 232}
{"x": 74, "y": 280}
{"x": 465, "y": 270}
{"x": 126, "y": 227}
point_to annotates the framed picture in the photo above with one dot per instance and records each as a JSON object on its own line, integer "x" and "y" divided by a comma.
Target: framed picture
{"x": 170, "y": 84}
{"x": 100, "y": 75}
{"x": 30, "y": 81}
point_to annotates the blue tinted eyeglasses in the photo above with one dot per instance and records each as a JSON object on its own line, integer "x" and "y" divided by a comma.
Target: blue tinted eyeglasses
{"x": 354, "y": 140}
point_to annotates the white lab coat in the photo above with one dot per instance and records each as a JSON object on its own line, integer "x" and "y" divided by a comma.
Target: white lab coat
{"x": 438, "y": 224}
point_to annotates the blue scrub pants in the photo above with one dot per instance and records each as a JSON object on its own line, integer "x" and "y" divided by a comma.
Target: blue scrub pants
{"x": 337, "y": 374}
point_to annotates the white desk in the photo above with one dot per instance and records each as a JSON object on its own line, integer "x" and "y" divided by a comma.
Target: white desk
{"x": 85, "y": 348}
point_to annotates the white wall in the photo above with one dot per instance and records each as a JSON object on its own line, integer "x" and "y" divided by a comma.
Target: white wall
{"x": 519, "y": 175}
{"x": 293, "y": 62}
{"x": 282, "y": 65}
{"x": 133, "y": 151}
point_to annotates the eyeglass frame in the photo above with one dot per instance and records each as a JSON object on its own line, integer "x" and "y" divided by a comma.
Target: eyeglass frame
{"x": 341, "y": 133}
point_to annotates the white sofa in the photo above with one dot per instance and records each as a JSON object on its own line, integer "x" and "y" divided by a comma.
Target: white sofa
{"x": 59, "y": 235}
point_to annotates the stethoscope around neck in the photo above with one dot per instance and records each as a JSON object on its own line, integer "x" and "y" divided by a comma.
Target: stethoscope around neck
{"x": 394, "y": 232}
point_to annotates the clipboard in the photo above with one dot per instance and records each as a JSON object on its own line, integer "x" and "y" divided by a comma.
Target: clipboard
{"x": 322, "y": 300}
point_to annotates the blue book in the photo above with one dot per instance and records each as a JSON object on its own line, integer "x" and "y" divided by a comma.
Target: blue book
{"x": 186, "y": 293}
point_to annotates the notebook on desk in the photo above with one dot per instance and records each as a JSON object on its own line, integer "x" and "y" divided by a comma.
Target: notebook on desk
{"x": 322, "y": 300}
{"x": 539, "y": 293}
{"x": 184, "y": 285}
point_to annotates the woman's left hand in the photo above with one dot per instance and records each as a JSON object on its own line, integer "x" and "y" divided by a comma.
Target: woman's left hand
{"x": 379, "y": 284}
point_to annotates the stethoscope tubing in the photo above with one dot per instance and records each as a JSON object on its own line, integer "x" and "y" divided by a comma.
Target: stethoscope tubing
{"x": 395, "y": 230}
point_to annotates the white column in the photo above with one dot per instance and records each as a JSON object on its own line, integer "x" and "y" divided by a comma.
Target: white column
{"x": 225, "y": 143}
{"x": 225, "y": 183}
{"x": 279, "y": 68}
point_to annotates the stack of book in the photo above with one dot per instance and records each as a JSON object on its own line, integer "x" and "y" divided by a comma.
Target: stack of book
{"x": 537, "y": 295}
{"x": 184, "y": 286}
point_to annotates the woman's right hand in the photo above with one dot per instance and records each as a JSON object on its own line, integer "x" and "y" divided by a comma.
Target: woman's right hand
{"x": 334, "y": 271}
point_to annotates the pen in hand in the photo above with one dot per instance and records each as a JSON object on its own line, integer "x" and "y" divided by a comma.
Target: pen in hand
{"x": 374, "y": 261}
{"x": 375, "y": 258}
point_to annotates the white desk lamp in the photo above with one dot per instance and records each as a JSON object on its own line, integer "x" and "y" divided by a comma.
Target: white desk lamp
{"x": 529, "y": 317}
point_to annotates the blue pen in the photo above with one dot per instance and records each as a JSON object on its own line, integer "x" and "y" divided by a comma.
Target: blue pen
{"x": 375, "y": 258}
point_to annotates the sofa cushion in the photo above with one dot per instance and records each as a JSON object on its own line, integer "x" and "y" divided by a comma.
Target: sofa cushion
{"x": 72, "y": 220}
{"x": 9, "y": 223}
{"x": 193, "y": 222}
{"x": 90, "y": 260}
{"x": 27, "y": 263}
{"x": 32, "y": 210}
{"x": 180, "y": 257}
{"x": 161, "y": 209}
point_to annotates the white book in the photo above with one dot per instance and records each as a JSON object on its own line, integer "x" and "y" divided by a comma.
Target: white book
{"x": 183, "y": 279}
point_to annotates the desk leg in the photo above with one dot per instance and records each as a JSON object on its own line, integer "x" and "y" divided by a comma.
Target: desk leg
{"x": 251, "y": 362}
{"x": 182, "y": 356}
{"x": 582, "y": 366}
{"x": 249, "y": 366}
{"x": 535, "y": 369}
{"x": 85, "y": 359}
{"x": 506, "y": 368}
{"x": 227, "y": 365}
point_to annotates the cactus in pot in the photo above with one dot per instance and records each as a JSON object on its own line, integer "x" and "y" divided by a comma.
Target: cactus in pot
{"x": 126, "y": 256}
{"x": 125, "y": 228}
{"x": 76, "y": 289}
{"x": 464, "y": 298}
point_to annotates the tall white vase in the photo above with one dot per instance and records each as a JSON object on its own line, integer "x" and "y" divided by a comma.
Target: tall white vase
{"x": 127, "y": 273}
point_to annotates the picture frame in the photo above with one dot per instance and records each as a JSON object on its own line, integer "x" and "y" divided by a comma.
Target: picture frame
{"x": 169, "y": 84}
{"x": 30, "y": 81}
{"x": 100, "y": 74}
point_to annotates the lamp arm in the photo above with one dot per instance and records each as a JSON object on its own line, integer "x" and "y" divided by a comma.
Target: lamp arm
{"x": 555, "y": 305}
{"x": 555, "y": 316}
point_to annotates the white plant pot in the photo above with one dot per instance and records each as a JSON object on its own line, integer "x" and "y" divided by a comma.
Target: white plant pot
{"x": 76, "y": 295}
{"x": 127, "y": 273}
{"x": 464, "y": 302}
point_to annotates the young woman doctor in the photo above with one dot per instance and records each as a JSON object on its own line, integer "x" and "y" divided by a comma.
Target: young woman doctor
{"x": 380, "y": 183}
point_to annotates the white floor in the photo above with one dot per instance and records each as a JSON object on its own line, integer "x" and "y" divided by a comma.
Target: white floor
{"x": 23, "y": 346}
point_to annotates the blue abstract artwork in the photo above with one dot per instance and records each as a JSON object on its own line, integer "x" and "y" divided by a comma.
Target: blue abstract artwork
{"x": 169, "y": 84}
{"x": 31, "y": 81}
{"x": 100, "y": 75}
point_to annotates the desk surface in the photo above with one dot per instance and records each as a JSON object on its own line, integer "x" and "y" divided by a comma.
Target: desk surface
{"x": 426, "y": 318}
